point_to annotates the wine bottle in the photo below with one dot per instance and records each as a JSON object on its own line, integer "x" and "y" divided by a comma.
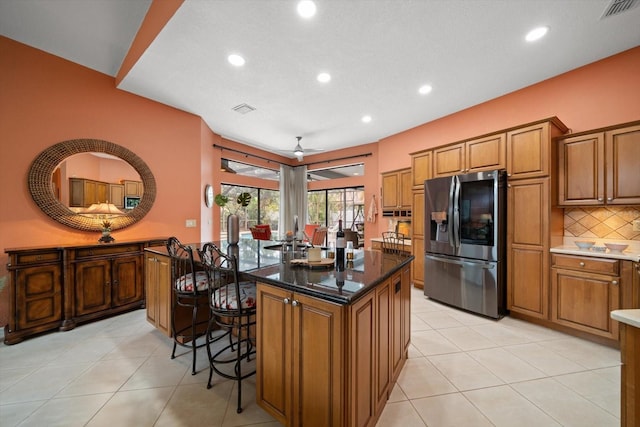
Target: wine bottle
{"x": 340, "y": 244}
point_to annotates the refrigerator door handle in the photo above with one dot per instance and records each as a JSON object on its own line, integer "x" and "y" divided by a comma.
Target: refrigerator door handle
{"x": 450, "y": 210}
{"x": 456, "y": 212}
{"x": 485, "y": 265}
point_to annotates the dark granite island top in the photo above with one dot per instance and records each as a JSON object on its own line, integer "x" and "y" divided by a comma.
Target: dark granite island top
{"x": 273, "y": 266}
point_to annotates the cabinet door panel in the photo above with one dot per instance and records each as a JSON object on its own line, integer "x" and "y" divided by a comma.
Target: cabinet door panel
{"x": 421, "y": 169}
{"x": 622, "y": 154}
{"x": 384, "y": 346}
{"x": 528, "y": 287}
{"x": 417, "y": 214}
{"x": 396, "y": 322}
{"x": 417, "y": 266}
{"x": 584, "y": 302}
{"x": 581, "y": 170}
{"x": 390, "y": 196}
{"x": 528, "y": 151}
{"x": 486, "y": 153}
{"x": 39, "y": 296}
{"x": 93, "y": 286}
{"x": 527, "y": 204}
{"x": 405, "y": 189}
{"x": 362, "y": 362}
{"x": 449, "y": 160}
{"x": 273, "y": 389}
{"x": 127, "y": 281}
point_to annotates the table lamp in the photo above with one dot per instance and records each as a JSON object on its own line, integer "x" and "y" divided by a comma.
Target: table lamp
{"x": 104, "y": 212}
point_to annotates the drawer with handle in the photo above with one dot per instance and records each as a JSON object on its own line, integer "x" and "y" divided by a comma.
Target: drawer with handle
{"x": 590, "y": 264}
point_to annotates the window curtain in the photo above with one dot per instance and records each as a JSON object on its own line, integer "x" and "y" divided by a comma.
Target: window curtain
{"x": 293, "y": 198}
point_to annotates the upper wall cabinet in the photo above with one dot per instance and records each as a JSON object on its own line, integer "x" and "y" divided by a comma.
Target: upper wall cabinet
{"x": 486, "y": 153}
{"x": 396, "y": 190}
{"x": 599, "y": 168}
{"x": 421, "y": 168}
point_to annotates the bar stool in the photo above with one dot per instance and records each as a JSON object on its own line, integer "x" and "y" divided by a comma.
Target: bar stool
{"x": 233, "y": 308}
{"x": 393, "y": 242}
{"x": 190, "y": 287}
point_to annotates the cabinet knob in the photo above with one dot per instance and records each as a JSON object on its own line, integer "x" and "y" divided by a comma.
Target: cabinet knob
{"x": 599, "y": 199}
{"x": 508, "y": 185}
{"x": 609, "y": 199}
{"x": 107, "y": 284}
{"x": 295, "y": 303}
{"x": 581, "y": 264}
{"x": 614, "y": 282}
{"x": 508, "y": 175}
{"x": 286, "y": 300}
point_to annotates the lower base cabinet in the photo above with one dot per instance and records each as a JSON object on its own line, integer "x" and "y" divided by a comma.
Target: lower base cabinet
{"x": 584, "y": 291}
{"x": 326, "y": 364}
{"x": 629, "y": 376}
{"x": 157, "y": 278}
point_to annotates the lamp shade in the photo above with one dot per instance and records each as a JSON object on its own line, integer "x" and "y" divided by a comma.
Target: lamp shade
{"x": 105, "y": 209}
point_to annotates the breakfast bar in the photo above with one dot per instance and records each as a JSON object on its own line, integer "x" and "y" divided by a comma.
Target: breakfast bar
{"x": 330, "y": 343}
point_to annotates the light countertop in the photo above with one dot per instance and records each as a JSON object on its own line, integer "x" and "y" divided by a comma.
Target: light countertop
{"x": 632, "y": 253}
{"x": 629, "y": 317}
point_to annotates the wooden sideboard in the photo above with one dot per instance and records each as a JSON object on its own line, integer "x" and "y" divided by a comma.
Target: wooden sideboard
{"x": 57, "y": 287}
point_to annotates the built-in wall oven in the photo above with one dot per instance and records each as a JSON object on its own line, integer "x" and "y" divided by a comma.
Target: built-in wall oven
{"x": 465, "y": 226}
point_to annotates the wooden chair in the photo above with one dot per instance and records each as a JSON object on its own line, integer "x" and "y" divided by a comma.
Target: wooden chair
{"x": 393, "y": 242}
{"x": 189, "y": 287}
{"x": 319, "y": 236}
{"x": 233, "y": 309}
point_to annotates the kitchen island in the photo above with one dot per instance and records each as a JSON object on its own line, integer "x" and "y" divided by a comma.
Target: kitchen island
{"x": 327, "y": 354}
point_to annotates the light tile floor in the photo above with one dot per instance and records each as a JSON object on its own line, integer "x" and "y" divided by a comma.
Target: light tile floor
{"x": 463, "y": 370}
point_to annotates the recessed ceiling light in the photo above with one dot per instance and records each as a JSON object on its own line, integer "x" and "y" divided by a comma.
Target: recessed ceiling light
{"x": 536, "y": 34}
{"x": 425, "y": 89}
{"x": 366, "y": 119}
{"x": 324, "y": 77}
{"x": 306, "y": 8}
{"x": 236, "y": 60}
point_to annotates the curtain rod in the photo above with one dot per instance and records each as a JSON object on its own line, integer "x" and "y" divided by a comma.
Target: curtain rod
{"x": 284, "y": 164}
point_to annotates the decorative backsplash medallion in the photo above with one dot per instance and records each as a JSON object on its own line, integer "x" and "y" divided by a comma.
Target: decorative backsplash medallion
{"x": 602, "y": 222}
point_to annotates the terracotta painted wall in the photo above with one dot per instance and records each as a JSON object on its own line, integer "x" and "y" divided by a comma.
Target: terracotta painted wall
{"x": 600, "y": 94}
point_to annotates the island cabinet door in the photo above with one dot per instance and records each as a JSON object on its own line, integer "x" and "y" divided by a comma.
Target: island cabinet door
{"x": 318, "y": 362}
{"x": 300, "y": 358}
{"x": 274, "y": 352}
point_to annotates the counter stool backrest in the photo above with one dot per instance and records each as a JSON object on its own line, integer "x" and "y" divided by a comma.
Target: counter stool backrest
{"x": 393, "y": 242}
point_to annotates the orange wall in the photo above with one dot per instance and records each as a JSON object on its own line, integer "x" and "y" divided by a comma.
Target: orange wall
{"x": 45, "y": 99}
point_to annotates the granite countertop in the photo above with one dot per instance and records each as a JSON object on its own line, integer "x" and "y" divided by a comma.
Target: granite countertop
{"x": 632, "y": 253}
{"x": 629, "y": 317}
{"x": 259, "y": 263}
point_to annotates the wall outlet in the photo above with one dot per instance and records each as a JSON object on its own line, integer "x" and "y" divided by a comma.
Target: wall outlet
{"x": 190, "y": 223}
{"x": 636, "y": 225}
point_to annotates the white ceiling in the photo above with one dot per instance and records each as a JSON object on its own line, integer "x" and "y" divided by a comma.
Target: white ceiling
{"x": 378, "y": 53}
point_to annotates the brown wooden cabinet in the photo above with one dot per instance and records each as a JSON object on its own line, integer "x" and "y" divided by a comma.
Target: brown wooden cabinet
{"x": 599, "y": 167}
{"x": 158, "y": 291}
{"x": 35, "y": 293}
{"x": 584, "y": 292}
{"x": 57, "y": 287}
{"x": 133, "y": 188}
{"x": 116, "y": 195}
{"x": 396, "y": 190}
{"x": 325, "y": 364}
{"x": 480, "y": 154}
{"x": 421, "y": 168}
{"x": 629, "y": 375}
{"x": 104, "y": 280}
{"x": 417, "y": 238}
{"x": 532, "y": 221}
{"x": 300, "y": 382}
{"x": 85, "y": 192}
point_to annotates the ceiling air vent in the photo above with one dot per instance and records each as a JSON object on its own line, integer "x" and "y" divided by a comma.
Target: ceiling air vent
{"x": 618, "y": 6}
{"x": 243, "y": 108}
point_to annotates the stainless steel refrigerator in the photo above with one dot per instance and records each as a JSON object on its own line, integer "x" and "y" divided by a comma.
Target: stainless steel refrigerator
{"x": 465, "y": 239}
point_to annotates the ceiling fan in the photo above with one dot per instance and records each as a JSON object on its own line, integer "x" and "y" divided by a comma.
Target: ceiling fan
{"x": 299, "y": 152}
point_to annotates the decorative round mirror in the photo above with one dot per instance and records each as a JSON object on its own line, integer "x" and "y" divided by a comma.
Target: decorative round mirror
{"x": 47, "y": 165}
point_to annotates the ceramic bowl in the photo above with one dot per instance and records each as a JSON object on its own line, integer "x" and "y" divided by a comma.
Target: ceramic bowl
{"x": 616, "y": 247}
{"x": 584, "y": 244}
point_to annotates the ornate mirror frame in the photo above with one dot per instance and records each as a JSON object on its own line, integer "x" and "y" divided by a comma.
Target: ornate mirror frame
{"x": 44, "y": 165}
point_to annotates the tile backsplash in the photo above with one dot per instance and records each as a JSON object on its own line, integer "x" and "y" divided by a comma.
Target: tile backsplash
{"x": 602, "y": 222}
